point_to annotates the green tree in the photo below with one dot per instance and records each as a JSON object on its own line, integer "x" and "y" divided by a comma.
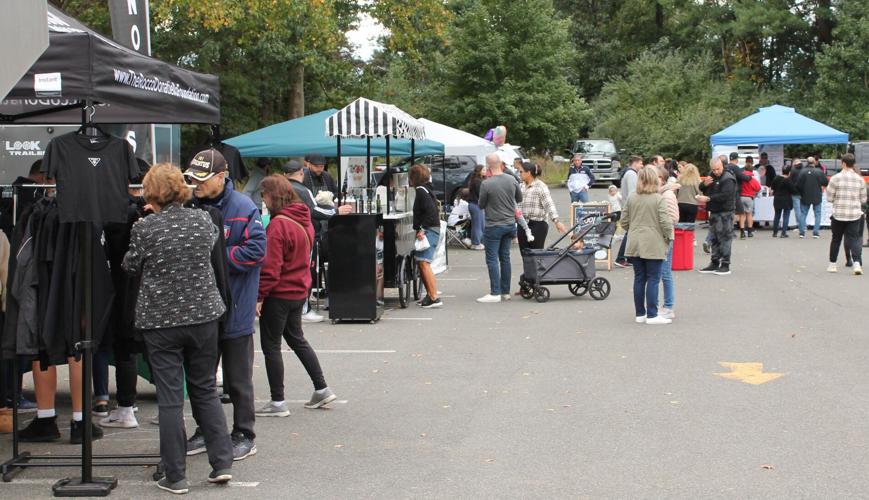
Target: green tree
{"x": 842, "y": 90}
{"x": 506, "y": 65}
{"x": 649, "y": 111}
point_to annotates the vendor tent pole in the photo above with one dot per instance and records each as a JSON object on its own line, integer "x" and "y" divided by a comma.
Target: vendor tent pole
{"x": 367, "y": 164}
{"x": 343, "y": 193}
{"x": 388, "y": 175}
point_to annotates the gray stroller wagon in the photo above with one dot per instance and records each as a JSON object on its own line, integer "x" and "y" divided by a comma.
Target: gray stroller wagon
{"x": 574, "y": 268}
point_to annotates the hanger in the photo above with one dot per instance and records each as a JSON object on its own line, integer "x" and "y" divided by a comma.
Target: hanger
{"x": 95, "y": 129}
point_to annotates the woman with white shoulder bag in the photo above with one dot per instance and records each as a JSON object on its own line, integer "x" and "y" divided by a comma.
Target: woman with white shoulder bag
{"x": 427, "y": 224}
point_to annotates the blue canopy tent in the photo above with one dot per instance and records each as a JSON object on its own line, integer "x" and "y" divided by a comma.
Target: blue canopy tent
{"x": 307, "y": 134}
{"x": 778, "y": 125}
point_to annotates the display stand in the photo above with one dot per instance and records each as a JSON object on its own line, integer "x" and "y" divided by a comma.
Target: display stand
{"x": 580, "y": 210}
{"x": 86, "y": 485}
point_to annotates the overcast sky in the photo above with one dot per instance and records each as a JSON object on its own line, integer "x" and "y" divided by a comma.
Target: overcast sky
{"x": 365, "y": 37}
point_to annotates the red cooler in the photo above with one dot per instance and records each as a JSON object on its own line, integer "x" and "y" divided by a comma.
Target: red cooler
{"x": 683, "y": 250}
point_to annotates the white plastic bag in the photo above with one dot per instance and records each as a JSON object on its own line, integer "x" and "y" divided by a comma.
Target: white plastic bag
{"x": 439, "y": 261}
{"x": 421, "y": 245}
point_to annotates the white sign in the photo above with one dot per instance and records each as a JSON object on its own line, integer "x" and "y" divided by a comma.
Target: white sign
{"x": 775, "y": 153}
{"x": 353, "y": 172}
{"x": 47, "y": 84}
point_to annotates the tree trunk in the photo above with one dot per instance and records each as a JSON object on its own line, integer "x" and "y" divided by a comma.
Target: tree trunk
{"x": 297, "y": 92}
{"x": 824, "y": 23}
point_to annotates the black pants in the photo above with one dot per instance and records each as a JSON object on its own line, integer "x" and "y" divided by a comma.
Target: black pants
{"x": 687, "y": 212}
{"x": 283, "y": 318}
{"x": 538, "y": 228}
{"x": 853, "y": 244}
{"x": 126, "y": 376}
{"x": 237, "y": 355}
{"x": 174, "y": 352}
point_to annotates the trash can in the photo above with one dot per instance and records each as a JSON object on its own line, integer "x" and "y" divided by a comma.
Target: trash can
{"x": 683, "y": 247}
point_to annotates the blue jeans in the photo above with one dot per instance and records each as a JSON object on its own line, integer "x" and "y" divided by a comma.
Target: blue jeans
{"x": 647, "y": 277}
{"x": 498, "y": 240}
{"x": 783, "y": 214}
{"x": 581, "y": 196}
{"x": 816, "y": 227}
{"x": 798, "y": 212}
{"x": 101, "y": 372}
{"x": 667, "y": 279}
{"x": 478, "y": 222}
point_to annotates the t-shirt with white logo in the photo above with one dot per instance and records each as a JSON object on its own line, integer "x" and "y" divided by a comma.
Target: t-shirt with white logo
{"x": 92, "y": 176}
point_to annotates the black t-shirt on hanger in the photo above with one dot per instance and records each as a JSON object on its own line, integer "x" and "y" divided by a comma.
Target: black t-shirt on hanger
{"x": 92, "y": 176}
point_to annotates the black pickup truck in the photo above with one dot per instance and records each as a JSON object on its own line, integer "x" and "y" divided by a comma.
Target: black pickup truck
{"x": 601, "y": 156}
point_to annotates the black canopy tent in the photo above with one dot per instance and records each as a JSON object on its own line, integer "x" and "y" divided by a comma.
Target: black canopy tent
{"x": 85, "y": 77}
{"x": 125, "y": 86}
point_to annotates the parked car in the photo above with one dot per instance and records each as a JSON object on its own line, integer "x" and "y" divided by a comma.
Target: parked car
{"x": 454, "y": 168}
{"x": 601, "y": 156}
{"x": 861, "y": 152}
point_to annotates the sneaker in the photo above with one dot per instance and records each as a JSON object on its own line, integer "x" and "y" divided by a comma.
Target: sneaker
{"x": 312, "y": 317}
{"x": 155, "y": 420}
{"x": 221, "y": 476}
{"x": 774, "y": 235}
{"x": 428, "y": 303}
{"x": 120, "y": 417}
{"x": 831, "y": 267}
{"x": 802, "y": 236}
{"x": 178, "y": 487}
{"x": 622, "y": 263}
{"x": 274, "y": 409}
{"x": 25, "y": 405}
{"x": 742, "y": 235}
{"x": 666, "y": 313}
{"x": 242, "y": 447}
{"x": 100, "y": 410}
{"x": 858, "y": 269}
{"x": 505, "y": 296}
{"x": 489, "y": 298}
{"x": 478, "y": 246}
{"x": 751, "y": 233}
{"x": 785, "y": 235}
{"x": 40, "y": 430}
{"x": 76, "y": 432}
{"x": 849, "y": 263}
{"x": 225, "y": 399}
{"x": 707, "y": 248}
{"x": 816, "y": 236}
{"x": 528, "y": 235}
{"x": 321, "y": 398}
{"x": 711, "y": 268}
{"x": 722, "y": 270}
{"x": 658, "y": 320}
{"x": 640, "y": 319}
{"x": 196, "y": 444}
{"x": 467, "y": 242}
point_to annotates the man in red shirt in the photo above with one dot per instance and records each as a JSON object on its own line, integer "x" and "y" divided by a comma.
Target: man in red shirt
{"x": 747, "y": 193}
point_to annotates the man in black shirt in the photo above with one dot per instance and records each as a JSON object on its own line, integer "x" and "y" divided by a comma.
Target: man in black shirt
{"x": 316, "y": 177}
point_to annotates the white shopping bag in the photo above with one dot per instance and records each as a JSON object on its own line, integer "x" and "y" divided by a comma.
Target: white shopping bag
{"x": 439, "y": 262}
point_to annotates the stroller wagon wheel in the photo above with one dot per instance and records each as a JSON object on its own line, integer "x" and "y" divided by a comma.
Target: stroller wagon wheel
{"x": 525, "y": 292}
{"x": 542, "y": 294}
{"x": 579, "y": 288}
{"x": 599, "y": 288}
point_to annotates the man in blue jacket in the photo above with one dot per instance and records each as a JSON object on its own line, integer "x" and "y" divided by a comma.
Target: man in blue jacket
{"x": 245, "y": 252}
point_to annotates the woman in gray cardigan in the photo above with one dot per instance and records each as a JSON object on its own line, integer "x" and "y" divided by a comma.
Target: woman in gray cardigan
{"x": 177, "y": 311}
{"x": 650, "y": 231}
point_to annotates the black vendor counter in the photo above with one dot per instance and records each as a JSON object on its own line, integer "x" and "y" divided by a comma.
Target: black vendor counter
{"x": 367, "y": 253}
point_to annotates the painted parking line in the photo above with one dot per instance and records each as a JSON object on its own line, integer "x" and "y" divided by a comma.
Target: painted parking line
{"x": 303, "y": 401}
{"x": 407, "y": 319}
{"x": 458, "y": 279}
{"x": 344, "y": 351}
{"x": 128, "y": 482}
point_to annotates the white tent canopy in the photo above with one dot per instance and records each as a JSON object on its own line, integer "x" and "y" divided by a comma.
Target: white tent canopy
{"x": 457, "y": 142}
{"x": 366, "y": 118}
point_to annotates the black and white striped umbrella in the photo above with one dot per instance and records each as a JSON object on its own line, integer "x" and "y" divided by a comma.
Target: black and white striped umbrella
{"x": 367, "y": 118}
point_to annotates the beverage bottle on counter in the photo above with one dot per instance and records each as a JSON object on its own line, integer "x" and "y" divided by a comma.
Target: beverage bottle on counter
{"x": 378, "y": 204}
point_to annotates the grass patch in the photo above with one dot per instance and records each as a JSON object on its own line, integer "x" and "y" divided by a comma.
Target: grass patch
{"x": 554, "y": 173}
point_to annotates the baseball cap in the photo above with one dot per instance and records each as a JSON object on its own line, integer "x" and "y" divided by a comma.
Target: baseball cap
{"x": 292, "y": 167}
{"x": 206, "y": 164}
{"x": 734, "y": 155}
{"x": 315, "y": 159}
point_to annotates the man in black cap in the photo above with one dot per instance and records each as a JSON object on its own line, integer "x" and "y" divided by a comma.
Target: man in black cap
{"x": 245, "y": 252}
{"x": 320, "y": 216}
{"x": 316, "y": 177}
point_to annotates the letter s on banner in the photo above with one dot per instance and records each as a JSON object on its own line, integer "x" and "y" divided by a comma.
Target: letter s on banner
{"x": 131, "y": 138}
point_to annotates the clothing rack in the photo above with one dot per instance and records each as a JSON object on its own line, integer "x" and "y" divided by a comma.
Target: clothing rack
{"x": 87, "y": 484}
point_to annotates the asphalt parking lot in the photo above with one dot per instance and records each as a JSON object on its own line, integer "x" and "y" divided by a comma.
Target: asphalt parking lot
{"x": 757, "y": 390}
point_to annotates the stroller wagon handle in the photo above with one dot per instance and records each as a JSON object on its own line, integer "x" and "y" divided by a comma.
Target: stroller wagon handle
{"x": 598, "y": 218}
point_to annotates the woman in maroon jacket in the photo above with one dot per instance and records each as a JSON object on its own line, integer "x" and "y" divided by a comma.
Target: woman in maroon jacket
{"x": 285, "y": 279}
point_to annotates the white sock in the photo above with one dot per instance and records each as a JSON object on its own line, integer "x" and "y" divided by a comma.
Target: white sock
{"x": 77, "y": 416}
{"x": 45, "y": 413}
